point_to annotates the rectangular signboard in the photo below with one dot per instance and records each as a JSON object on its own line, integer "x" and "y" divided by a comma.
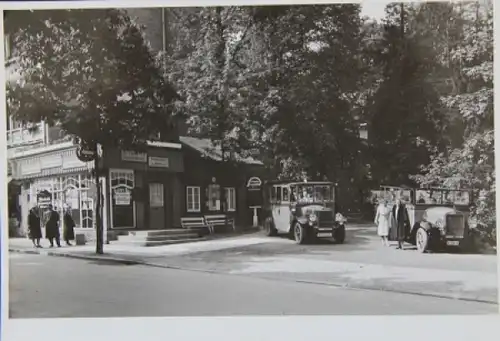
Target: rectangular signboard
{"x": 131, "y": 156}
{"x": 160, "y": 162}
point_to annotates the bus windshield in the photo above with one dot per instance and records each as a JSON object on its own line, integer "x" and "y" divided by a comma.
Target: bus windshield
{"x": 313, "y": 193}
{"x": 442, "y": 197}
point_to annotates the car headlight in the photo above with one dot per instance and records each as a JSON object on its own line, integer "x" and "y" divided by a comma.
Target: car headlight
{"x": 313, "y": 217}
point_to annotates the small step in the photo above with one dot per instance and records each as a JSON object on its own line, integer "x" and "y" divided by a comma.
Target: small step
{"x": 157, "y": 243}
{"x": 173, "y": 237}
{"x": 185, "y": 235}
{"x": 161, "y": 232}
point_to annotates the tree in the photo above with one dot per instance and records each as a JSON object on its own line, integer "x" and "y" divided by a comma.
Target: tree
{"x": 405, "y": 112}
{"x": 309, "y": 56}
{"x": 469, "y": 62}
{"x": 91, "y": 73}
{"x": 210, "y": 77}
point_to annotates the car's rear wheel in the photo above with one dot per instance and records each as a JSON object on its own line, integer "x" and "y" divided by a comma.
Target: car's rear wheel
{"x": 339, "y": 234}
{"x": 269, "y": 228}
{"x": 299, "y": 233}
{"x": 422, "y": 240}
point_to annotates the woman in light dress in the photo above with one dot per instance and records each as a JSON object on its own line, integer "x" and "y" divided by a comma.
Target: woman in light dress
{"x": 382, "y": 220}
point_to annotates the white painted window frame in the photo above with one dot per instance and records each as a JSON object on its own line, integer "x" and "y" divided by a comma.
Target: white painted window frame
{"x": 196, "y": 200}
{"x": 114, "y": 171}
{"x": 231, "y": 205}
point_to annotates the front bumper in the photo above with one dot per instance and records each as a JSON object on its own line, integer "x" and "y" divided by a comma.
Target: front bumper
{"x": 452, "y": 241}
{"x": 327, "y": 232}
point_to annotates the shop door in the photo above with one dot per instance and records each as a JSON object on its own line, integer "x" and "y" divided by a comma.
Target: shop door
{"x": 156, "y": 206}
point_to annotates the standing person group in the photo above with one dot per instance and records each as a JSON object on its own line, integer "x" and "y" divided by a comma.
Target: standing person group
{"x": 396, "y": 220}
{"x": 51, "y": 227}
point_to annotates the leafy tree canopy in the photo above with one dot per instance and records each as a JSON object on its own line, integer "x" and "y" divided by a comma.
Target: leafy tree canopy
{"x": 90, "y": 72}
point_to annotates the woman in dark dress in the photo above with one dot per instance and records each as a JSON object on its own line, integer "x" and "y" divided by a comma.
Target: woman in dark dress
{"x": 52, "y": 227}
{"x": 69, "y": 227}
{"x": 34, "y": 227}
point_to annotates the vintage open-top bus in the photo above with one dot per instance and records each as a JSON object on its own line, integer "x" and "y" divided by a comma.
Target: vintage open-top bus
{"x": 303, "y": 210}
{"x": 438, "y": 216}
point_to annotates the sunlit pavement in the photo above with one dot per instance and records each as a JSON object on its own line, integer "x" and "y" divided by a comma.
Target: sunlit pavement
{"x": 63, "y": 287}
{"x": 361, "y": 262}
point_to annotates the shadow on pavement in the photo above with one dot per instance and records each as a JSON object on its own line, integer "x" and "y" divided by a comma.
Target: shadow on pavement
{"x": 110, "y": 262}
{"x": 355, "y": 240}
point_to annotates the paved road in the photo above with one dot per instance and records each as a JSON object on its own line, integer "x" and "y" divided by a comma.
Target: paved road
{"x": 42, "y": 286}
{"x": 361, "y": 262}
{"x": 362, "y": 245}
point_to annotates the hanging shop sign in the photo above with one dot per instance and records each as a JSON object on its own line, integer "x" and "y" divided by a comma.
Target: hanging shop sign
{"x": 86, "y": 152}
{"x": 254, "y": 184}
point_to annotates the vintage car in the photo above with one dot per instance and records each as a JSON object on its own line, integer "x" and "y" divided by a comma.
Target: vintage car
{"x": 438, "y": 217}
{"x": 303, "y": 210}
{"x": 440, "y": 228}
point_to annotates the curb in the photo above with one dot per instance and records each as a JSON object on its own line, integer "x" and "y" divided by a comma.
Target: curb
{"x": 76, "y": 256}
{"x": 331, "y": 284}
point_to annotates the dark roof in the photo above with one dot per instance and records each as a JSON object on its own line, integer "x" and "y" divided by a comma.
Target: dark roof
{"x": 209, "y": 150}
{"x": 298, "y": 182}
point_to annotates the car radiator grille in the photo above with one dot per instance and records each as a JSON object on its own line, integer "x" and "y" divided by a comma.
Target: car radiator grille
{"x": 455, "y": 225}
{"x": 325, "y": 218}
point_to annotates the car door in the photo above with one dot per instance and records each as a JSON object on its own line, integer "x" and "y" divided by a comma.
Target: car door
{"x": 281, "y": 211}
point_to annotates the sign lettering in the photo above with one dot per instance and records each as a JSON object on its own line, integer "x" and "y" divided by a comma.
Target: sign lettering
{"x": 160, "y": 162}
{"x": 131, "y": 156}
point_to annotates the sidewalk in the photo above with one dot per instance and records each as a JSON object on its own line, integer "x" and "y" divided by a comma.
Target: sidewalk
{"x": 135, "y": 252}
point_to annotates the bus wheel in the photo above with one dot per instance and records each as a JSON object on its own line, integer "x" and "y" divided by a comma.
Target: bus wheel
{"x": 269, "y": 228}
{"x": 299, "y": 233}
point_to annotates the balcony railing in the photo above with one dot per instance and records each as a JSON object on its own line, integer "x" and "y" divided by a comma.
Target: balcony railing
{"x": 22, "y": 136}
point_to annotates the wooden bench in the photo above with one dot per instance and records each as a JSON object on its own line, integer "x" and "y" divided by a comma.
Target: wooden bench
{"x": 219, "y": 220}
{"x": 194, "y": 223}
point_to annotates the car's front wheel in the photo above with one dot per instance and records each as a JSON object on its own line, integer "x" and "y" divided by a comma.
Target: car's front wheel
{"x": 422, "y": 240}
{"x": 299, "y": 233}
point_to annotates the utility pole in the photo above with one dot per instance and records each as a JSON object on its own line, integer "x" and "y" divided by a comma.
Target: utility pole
{"x": 99, "y": 249}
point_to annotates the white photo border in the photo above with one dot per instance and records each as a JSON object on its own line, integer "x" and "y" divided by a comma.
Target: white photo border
{"x": 290, "y": 328}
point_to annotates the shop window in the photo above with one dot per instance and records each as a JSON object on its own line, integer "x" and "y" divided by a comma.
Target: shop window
{"x": 230, "y": 199}
{"x": 122, "y": 205}
{"x": 193, "y": 199}
{"x": 214, "y": 197}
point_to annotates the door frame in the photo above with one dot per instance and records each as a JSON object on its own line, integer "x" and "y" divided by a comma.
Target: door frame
{"x": 134, "y": 213}
{"x": 163, "y": 207}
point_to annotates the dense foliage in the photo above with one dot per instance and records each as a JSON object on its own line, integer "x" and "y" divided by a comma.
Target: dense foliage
{"x": 467, "y": 61}
{"x": 90, "y": 72}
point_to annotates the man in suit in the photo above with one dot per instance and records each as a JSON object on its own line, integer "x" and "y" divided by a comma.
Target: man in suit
{"x": 401, "y": 222}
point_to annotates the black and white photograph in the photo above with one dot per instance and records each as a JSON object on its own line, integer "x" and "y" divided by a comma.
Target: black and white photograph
{"x": 250, "y": 160}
